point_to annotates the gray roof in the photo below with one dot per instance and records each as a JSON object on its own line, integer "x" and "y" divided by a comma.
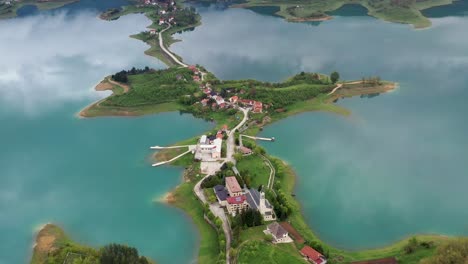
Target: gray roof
{"x": 277, "y": 230}
{"x": 253, "y": 198}
{"x": 221, "y": 192}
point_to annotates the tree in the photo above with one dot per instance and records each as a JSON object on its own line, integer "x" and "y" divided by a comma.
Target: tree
{"x": 120, "y": 254}
{"x": 335, "y": 76}
{"x": 411, "y": 246}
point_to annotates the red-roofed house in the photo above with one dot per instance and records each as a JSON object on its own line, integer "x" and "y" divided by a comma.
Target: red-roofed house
{"x": 161, "y": 21}
{"x": 234, "y": 99}
{"x": 237, "y": 203}
{"x": 312, "y": 255}
{"x": 204, "y": 102}
{"x": 193, "y": 68}
{"x": 257, "y": 107}
{"x": 196, "y": 78}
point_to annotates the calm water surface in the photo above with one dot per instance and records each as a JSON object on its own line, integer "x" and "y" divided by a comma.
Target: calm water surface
{"x": 93, "y": 176}
{"x": 397, "y": 166}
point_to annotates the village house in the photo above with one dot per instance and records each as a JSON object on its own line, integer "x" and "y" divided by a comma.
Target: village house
{"x": 257, "y": 107}
{"x": 219, "y": 100}
{"x": 204, "y": 102}
{"x": 280, "y": 235}
{"x": 312, "y": 255}
{"x": 234, "y": 99}
{"x": 161, "y": 21}
{"x": 152, "y": 31}
{"x": 258, "y": 202}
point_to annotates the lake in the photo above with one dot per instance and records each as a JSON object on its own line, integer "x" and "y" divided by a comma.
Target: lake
{"x": 92, "y": 177}
{"x": 394, "y": 168}
{"x": 397, "y": 166}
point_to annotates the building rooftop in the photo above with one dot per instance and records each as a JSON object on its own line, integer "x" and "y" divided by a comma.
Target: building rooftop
{"x": 218, "y": 144}
{"x": 221, "y": 192}
{"x": 232, "y": 184}
{"x": 236, "y": 199}
{"x": 276, "y": 230}
{"x": 312, "y": 254}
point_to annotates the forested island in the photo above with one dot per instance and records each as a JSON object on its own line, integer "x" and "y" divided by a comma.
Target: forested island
{"x": 240, "y": 110}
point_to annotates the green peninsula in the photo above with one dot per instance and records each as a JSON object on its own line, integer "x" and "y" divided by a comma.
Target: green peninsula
{"x": 398, "y": 11}
{"x": 54, "y": 246}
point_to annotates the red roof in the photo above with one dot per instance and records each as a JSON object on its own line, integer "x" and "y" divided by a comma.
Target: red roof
{"x": 312, "y": 254}
{"x": 232, "y": 184}
{"x": 236, "y": 199}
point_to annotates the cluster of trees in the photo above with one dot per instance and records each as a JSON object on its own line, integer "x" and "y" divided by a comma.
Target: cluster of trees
{"x": 185, "y": 17}
{"x": 109, "y": 254}
{"x": 154, "y": 87}
{"x": 120, "y": 254}
{"x": 122, "y": 76}
{"x": 218, "y": 226}
{"x": 249, "y": 218}
{"x": 280, "y": 203}
{"x": 212, "y": 181}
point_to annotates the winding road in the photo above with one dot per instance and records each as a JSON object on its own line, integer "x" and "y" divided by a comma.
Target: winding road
{"x": 215, "y": 208}
{"x": 161, "y": 45}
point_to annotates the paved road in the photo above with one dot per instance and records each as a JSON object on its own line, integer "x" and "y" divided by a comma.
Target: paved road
{"x": 161, "y": 44}
{"x": 231, "y": 145}
{"x": 272, "y": 172}
{"x": 215, "y": 208}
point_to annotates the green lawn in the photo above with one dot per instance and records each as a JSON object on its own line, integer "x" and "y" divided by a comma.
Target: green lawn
{"x": 256, "y": 252}
{"x": 186, "y": 200}
{"x": 254, "y": 167}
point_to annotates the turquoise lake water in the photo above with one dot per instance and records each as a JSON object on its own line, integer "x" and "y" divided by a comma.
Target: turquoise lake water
{"x": 397, "y": 166}
{"x": 90, "y": 176}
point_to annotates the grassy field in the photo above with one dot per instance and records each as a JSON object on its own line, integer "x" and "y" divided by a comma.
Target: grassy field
{"x": 407, "y": 12}
{"x": 186, "y": 200}
{"x": 256, "y": 251}
{"x": 53, "y": 246}
{"x": 255, "y": 168}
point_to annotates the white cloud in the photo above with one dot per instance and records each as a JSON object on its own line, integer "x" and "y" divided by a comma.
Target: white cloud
{"x": 54, "y": 59}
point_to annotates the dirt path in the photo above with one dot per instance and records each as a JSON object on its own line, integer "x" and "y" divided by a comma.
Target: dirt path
{"x": 125, "y": 87}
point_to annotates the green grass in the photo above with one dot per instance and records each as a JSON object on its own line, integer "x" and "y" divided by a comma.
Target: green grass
{"x": 185, "y": 199}
{"x": 254, "y": 166}
{"x": 264, "y": 252}
{"x": 210, "y": 195}
{"x": 97, "y": 110}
